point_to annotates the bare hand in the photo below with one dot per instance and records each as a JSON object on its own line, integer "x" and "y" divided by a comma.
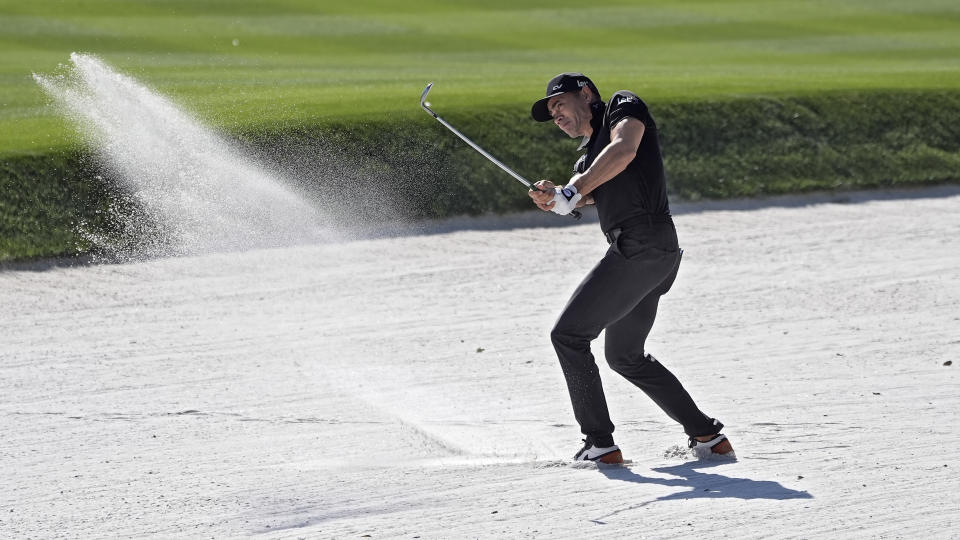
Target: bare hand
{"x": 544, "y": 197}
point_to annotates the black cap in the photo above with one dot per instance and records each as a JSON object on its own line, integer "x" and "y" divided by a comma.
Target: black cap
{"x": 564, "y": 82}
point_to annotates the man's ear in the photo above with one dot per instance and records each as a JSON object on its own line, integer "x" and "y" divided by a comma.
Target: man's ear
{"x": 587, "y": 94}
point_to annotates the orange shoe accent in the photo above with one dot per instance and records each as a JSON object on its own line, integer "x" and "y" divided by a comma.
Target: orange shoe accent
{"x": 613, "y": 458}
{"x": 722, "y": 447}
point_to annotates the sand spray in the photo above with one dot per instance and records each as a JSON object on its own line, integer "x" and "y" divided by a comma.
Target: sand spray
{"x": 193, "y": 189}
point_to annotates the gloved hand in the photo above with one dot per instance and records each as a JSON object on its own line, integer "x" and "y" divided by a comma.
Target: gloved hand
{"x": 565, "y": 199}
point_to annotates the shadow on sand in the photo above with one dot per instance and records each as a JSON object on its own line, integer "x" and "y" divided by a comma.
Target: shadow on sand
{"x": 702, "y": 485}
{"x": 538, "y": 219}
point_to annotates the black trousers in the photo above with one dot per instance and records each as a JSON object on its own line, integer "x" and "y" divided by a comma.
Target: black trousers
{"x": 621, "y": 295}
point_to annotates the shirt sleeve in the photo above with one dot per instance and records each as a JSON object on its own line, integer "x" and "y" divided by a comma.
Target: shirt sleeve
{"x": 625, "y": 104}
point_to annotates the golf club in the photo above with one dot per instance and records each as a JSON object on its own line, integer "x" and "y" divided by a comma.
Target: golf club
{"x": 423, "y": 103}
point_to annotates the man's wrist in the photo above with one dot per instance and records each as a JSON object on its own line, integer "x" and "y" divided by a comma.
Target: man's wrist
{"x": 576, "y": 184}
{"x": 565, "y": 199}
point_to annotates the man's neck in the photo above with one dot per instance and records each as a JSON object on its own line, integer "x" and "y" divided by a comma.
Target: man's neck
{"x": 587, "y": 134}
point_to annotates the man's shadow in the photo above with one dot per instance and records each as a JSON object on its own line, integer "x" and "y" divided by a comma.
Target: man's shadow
{"x": 702, "y": 485}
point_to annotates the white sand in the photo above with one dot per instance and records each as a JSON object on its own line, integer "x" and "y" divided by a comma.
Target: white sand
{"x": 340, "y": 391}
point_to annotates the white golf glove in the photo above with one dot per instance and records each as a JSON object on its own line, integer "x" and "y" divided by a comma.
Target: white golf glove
{"x": 565, "y": 199}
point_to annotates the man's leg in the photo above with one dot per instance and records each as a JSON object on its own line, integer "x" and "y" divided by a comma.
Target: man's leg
{"x": 624, "y": 349}
{"x": 609, "y": 292}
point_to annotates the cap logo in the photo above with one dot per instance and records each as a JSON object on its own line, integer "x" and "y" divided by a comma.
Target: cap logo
{"x": 580, "y": 84}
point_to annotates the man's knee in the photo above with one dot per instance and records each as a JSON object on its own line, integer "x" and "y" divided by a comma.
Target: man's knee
{"x": 617, "y": 360}
{"x": 627, "y": 363}
{"x": 570, "y": 338}
{"x": 562, "y": 336}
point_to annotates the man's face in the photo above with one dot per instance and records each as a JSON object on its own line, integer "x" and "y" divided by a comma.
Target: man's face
{"x": 571, "y": 112}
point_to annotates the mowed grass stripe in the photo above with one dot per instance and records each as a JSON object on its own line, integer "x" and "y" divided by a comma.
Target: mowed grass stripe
{"x": 323, "y": 61}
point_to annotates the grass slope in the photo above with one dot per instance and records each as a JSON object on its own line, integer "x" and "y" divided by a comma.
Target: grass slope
{"x": 316, "y": 61}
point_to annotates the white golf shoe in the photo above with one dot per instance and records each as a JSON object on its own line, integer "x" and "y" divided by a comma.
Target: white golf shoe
{"x": 610, "y": 455}
{"x": 718, "y": 446}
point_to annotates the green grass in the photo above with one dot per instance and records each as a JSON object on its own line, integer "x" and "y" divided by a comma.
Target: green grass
{"x": 309, "y": 62}
{"x": 753, "y": 97}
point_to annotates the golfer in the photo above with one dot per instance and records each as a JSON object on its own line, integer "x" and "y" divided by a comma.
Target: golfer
{"x": 621, "y": 172}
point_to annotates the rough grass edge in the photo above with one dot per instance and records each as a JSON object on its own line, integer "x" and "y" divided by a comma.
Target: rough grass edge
{"x": 713, "y": 149}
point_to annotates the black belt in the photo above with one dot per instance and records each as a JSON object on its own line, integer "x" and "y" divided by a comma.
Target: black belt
{"x": 645, "y": 219}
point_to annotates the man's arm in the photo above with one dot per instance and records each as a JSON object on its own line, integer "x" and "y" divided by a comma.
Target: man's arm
{"x": 614, "y": 158}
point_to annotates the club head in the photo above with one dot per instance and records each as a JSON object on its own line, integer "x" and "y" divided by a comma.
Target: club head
{"x": 423, "y": 99}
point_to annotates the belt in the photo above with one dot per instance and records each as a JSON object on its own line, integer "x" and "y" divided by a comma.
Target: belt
{"x": 643, "y": 219}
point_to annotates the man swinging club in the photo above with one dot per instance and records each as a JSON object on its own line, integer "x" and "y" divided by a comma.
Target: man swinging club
{"x": 622, "y": 174}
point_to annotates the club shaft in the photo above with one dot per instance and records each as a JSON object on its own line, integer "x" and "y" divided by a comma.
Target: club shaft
{"x": 485, "y": 154}
{"x": 423, "y": 103}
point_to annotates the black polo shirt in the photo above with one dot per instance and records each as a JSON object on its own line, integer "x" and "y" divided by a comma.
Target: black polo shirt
{"x": 641, "y": 189}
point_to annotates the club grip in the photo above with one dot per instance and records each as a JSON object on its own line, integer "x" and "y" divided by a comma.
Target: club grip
{"x": 575, "y": 214}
